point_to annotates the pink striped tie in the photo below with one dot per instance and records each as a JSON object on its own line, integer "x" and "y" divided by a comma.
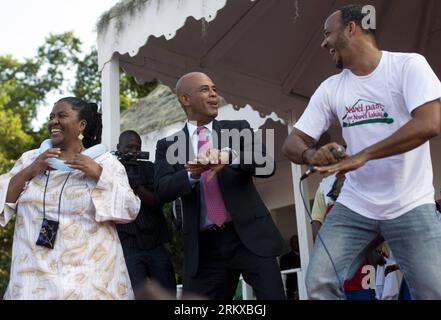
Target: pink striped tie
{"x": 214, "y": 200}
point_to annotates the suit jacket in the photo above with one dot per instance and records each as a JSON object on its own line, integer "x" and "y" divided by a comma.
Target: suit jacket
{"x": 250, "y": 217}
{"x": 149, "y": 229}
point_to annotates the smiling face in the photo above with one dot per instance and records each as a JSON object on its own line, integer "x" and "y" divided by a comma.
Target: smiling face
{"x": 64, "y": 125}
{"x": 198, "y": 95}
{"x": 335, "y": 39}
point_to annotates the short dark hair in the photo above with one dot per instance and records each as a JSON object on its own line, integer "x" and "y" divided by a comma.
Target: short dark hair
{"x": 354, "y": 12}
{"x": 87, "y": 111}
{"x": 129, "y": 133}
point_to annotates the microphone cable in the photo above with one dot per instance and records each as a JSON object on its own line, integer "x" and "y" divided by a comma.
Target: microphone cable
{"x": 338, "y": 154}
{"x": 320, "y": 238}
{"x": 318, "y": 233}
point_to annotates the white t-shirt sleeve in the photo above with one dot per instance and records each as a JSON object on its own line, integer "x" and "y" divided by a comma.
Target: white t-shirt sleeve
{"x": 318, "y": 115}
{"x": 420, "y": 83}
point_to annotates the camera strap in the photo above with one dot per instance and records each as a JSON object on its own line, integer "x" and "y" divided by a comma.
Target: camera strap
{"x": 59, "y": 199}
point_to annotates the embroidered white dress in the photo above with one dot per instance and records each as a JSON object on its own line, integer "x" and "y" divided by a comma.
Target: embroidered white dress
{"x": 87, "y": 261}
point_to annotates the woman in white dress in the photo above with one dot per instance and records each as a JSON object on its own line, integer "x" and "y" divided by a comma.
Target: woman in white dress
{"x": 67, "y": 196}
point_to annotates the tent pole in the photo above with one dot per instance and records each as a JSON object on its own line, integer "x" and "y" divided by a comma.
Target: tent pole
{"x": 303, "y": 224}
{"x": 110, "y": 103}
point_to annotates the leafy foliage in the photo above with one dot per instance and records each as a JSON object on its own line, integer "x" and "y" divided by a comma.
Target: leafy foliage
{"x": 88, "y": 84}
{"x": 25, "y": 85}
{"x": 5, "y": 253}
{"x": 119, "y": 10}
{"x": 175, "y": 244}
{"x": 14, "y": 139}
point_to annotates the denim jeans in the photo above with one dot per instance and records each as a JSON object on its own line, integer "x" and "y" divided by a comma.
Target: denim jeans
{"x": 414, "y": 238}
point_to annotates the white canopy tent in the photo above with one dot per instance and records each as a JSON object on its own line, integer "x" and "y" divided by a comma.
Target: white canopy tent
{"x": 265, "y": 53}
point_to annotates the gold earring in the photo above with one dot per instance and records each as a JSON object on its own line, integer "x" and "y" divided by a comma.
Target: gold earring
{"x": 80, "y": 136}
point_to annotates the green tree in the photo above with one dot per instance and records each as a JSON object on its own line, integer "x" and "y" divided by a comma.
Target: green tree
{"x": 14, "y": 139}
{"x": 88, "y": 83}
{"x": 175, "y": 245}
{"x": 5, "y": 254}
{"x": 27, "y": 83}
{"x": 24, "y": 86}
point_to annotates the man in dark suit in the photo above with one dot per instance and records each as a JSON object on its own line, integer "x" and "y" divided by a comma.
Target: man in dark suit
{"x": 143, "y": 240}
{"x": 227, "y": 229}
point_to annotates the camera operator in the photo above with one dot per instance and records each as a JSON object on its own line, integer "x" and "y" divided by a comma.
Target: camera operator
{"x": 143, "y": 239}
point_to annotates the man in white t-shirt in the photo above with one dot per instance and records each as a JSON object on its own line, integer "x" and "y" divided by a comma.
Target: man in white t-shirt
{"x": 388, "y": 105}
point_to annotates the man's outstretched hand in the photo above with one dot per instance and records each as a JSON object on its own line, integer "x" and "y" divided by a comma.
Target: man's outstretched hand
{"x": 212, "y": 159}
{"x": 349, "y": 163}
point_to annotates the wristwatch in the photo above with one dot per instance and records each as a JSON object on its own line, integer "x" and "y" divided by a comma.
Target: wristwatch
{"x": 231, "y": 155}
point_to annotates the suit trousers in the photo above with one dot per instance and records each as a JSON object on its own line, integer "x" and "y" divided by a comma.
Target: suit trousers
{"x": 154, "y": 263}
{"x": 222, "y": 258}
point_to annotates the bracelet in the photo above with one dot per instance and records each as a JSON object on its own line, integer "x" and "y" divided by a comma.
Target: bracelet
{"x": 232, "y": 154}
{"x": 303, "y": 153}
{"x": 194, "y": 178}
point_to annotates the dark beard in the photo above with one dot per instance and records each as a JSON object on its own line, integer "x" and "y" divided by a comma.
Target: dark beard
{"x": 340, "y": 43}
{"x": 339, "y": 64}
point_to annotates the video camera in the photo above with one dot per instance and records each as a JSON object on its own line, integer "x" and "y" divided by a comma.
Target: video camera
{"x": 132, "y": 163}
{"x": 131, "y": 157}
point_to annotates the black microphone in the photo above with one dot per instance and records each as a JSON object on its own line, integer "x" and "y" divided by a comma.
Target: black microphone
{"x": 338, "y": 155}
{"x": 311, "y": 169}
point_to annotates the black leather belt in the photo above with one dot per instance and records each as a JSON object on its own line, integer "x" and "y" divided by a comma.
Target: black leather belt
{"x": 216, "y": 228}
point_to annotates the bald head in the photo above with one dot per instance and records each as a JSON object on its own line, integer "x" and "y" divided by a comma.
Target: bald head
{"x": 187, "y": 82}
{"x": 334, "y": 18}
{"x": 197, "y": 95}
